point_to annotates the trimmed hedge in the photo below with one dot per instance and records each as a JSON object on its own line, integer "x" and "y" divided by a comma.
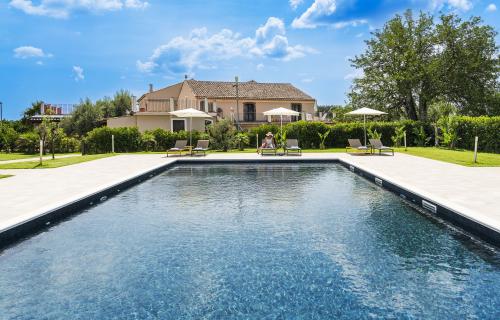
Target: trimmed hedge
{"x": 166, "y": 139}
{"x": 307, "y": 132}
{"x": 129, "y": 139}
{"x": 99, "y": 140}
{"x": 261, "y": 131}
{"x": 487, "y": 129}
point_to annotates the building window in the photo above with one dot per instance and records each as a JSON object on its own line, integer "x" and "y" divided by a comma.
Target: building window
{"x": 210, "y": 106}
{"x": 178, "y": 125}
{"x": 297, "y": 107}
{"x": 249, "y": 112}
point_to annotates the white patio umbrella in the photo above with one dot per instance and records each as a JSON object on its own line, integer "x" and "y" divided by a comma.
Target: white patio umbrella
{"x": 281, "y": 112}
{"x": 365, "y": 112}
{"x": 190, "y": 113}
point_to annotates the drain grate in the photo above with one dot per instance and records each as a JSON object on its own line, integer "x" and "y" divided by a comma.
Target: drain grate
{"x": 351, "y": 168}
{"x": 378, "y": 181}
{"x": 429, "y": 206}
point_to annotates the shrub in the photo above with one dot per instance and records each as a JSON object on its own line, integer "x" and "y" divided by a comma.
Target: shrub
{"x": 373, "y": 134}
{"x": 164, "y": 139}
{"x": 322, "y": 138}
{"x": 222, "y": 135}
{"x": 148, "y": 141}
{"x": 398, "y": 136}
{"x": 447, "y": 126}
{"x": 68, "y": 144}
{"x": 421, "y": 138}
{"x": 28, "y": 142}
{"x": 8, "y": 138}
{"x": 241, "y": 140}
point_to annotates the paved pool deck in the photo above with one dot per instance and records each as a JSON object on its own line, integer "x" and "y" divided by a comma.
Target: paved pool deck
{"x": 472, "y": 191}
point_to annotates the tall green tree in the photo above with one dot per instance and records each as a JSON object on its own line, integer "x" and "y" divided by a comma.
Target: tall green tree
{"x": 85, "y": 117}
{"x": 122, "y": 103}
{"x": 467, "y": 64}
{"x": 410, "y": 63}
{"x": 106, "y": 106}
{"x": 31, "y": 111}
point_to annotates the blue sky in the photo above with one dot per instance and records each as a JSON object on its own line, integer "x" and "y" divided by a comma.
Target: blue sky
{"x": 60, "y": 51}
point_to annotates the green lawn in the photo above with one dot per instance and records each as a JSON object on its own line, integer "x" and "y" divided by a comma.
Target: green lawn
{"x": 61, "y": 162}
{"x": 16, "y": 155}
{"x": 462, "y": 157}
{"x": 5, "y": 176}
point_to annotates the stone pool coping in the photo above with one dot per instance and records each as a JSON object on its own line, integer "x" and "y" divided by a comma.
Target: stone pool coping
{"x": 31, "y": 222}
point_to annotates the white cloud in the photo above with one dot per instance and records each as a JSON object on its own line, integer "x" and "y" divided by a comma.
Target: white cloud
{"x": 319, "y": 13}
{"x": 463, "y": 5}
{"x": 26, "y": 52}
{"x": 308, "y": 80}
{"x": 311, "y": 17}
{"x": 491, "y": 7}
{"x": 351, "y": 23}
{"x": 200, "y": 50}
{"x": 64, "y": 8}
{"x": 260, "y": 66}
{"x": 270, "y": 29}
{"x": 356, "y": 74}
{"x": 136, "y": 4}
{"x": 295, "y": 3}
{"x": 78, "y": 71}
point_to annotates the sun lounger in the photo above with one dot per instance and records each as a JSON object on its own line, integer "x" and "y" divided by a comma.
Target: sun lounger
{"x": 180, "y": 145}
{"x": 376, "y": 144}
{"x": 268, "y": 150}
{"x": 201, "y": 146}
{"x": 292, "y": 145}
{"x": 355, "y": 144}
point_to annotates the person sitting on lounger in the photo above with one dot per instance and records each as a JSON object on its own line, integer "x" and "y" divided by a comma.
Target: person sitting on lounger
{"x": 268, "y": 142}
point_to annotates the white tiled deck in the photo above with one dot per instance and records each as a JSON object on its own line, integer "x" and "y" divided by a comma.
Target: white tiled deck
{"x": 471, "y": 191}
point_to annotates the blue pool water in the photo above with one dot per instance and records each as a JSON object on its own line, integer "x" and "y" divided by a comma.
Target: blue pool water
{"x": 308, "y": 241}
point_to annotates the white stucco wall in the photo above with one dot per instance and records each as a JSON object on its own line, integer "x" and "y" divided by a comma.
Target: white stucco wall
{"x": 153, "y": 121}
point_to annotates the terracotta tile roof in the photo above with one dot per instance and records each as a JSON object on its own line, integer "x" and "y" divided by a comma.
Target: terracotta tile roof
{"x": 247, "y": 90}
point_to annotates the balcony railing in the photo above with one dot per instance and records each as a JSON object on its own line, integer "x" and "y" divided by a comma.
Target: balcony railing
{"x": 262, "y": 118}
{"x": 165, "y": 105}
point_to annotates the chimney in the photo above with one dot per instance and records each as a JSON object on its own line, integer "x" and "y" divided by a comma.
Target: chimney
{"x": 134, "y": 103}
{"x": 150, "y": 87}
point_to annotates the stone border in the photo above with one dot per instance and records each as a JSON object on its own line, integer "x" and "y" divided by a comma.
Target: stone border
{"x": 36, "y": 224}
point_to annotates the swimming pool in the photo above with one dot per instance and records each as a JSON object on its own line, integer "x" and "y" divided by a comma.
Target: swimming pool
{"x": 250, "y": 241}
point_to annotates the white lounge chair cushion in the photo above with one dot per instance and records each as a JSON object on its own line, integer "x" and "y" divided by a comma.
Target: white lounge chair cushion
{"x": 294, "y": 147}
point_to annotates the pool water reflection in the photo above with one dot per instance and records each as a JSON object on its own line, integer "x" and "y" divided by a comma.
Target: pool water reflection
{"x": 250, "y": 241}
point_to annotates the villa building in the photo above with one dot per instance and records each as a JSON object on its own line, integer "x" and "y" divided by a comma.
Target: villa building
{"x": 219, "y": 99}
